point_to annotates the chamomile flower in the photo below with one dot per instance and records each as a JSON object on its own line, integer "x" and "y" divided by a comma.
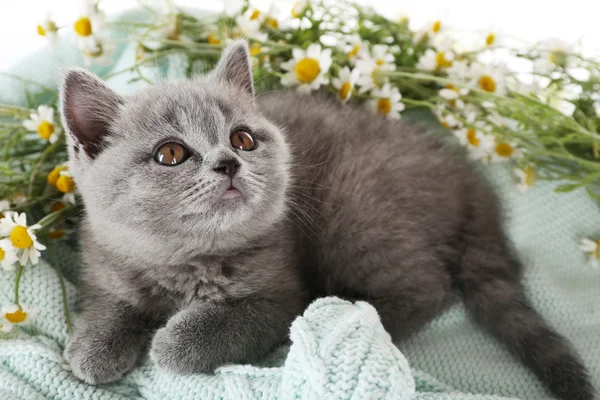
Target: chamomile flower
{"x": 22, "y": 237}
{"x": 65, "y": 184}
{"x": 488, "y": 78}
{"x": 459, "y": 72}
{"x": 527, "y": 177}
{"x": 5, "y": 326}
{"x": 427, "y": 31}
{"x": 490, "y": 39}
{"x": 55, "y": 173}
{"x": 48, "y": 29}
{"x": 17, "y": 314}
{"x": 299, "y": 8}
{"x": 453, "y": 95}
{"x": 433, "y": 60}
{"x": 592, "y": 249}
{"x": 345, "y": 83}
{"x": 307, "y": 69}
{"x": 448, "y": 121}
{"x": 250, "y": 23}
{"x": 269, "y": 18}
{"x": 87, "y": 28}
{"x": 8, "y": 255}
{"x": 387, "y": 102}
{"x": 355, "y": 49}
{"x": 478, "y": 143}
{"x": 554, "y": 53}
{"x": 374, "y": 68}
{"x": 503, "y": 151}
{"x": 42, "y": 122}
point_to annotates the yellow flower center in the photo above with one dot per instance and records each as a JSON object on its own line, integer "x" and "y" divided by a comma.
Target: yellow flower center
{"x": 212, "y": 39}
{"x": 255, "y": 15}
{"x": 55, "y": 173}
{"x": 83, "y": 26}
{"x": 384, "y": 106}
{"x": 354, "y": 51}
{"x": 558, "y": 57}
{"x": 307, "y": 70}
{"x": 490, "y": 39}
{"x": 255, "y": 49}
{"x": 16, "y": 317}
{"x": 2, "y": 254}
{"x": 437, "y": 25}
{"x": 451, "y": 87}
{"x": 472, "y": 138}
{"x": 445, "y": 124}
{"x": 65, "y": 184}
{"x": 297, "y": 10}
{"x": 379, "y": 75}
{"x": 50, "y": 28}
{"x": 504, "y": 149}
{"x": 596, "y": 252}
{"x": 57, "y": 206}
{"x": 530, "y": 176}
{"x": 45, "y": 129}
{"x": 345, "y": 90}
{"x": 272, "y": 23}
{"x": 20, "y": 238}
{"x": 487, "y": 83}
{"x": 442, "y": 61}
{"x": 380, "y": 62}
{"x": 56, "y": 234}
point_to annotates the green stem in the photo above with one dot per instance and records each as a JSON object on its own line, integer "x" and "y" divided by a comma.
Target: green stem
{"x": 25, "y": 80}
{"x": 63, "y": 288}
{"x": 17, "y": 282}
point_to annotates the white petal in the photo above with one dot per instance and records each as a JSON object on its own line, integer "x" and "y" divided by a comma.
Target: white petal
{"x": 588, "y": 245}
{"x": 9, "y": 308}
{"x": 298, "y": 54}
{"x": 5, "y": 326}
{"x": 30, "y": 125}
{"x": 24, "y": 257}
{"x": 449, "y": 94}
{"x": 22, "y": 219}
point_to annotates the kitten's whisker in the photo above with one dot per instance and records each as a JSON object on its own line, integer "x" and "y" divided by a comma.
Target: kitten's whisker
{"x": 264, "y": 76}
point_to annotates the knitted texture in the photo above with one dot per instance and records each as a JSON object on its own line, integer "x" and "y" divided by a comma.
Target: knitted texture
{"x": 339, "y": 350}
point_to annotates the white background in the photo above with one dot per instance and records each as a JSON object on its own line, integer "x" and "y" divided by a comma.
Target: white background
{"x": 575, "y": 21}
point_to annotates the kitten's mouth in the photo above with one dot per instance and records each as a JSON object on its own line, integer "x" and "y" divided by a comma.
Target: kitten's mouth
{"x": 231, "y": 192}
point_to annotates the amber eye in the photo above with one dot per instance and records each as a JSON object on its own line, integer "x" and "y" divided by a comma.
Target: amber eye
{"x": 171, "y": 153}
{"x": 242, "y": 140}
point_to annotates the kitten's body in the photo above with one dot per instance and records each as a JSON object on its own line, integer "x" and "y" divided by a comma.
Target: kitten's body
{"x": 347, "y": 204}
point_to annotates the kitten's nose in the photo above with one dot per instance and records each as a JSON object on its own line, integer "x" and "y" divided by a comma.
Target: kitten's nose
{"x": 228, "y": 167}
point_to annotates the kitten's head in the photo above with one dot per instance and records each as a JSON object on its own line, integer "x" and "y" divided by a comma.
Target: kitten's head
{"x": 180, "y": 167}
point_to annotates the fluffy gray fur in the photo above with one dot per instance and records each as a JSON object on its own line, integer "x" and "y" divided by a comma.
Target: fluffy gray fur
{"x": 335, "y": 202}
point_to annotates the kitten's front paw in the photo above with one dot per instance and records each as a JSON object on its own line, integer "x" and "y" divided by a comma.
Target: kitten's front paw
{"x": 178, "y": 348}
{"x": 95, "y": 363}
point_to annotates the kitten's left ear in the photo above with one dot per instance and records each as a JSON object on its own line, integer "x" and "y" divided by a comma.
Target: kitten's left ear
{"x": 234, "y": 67}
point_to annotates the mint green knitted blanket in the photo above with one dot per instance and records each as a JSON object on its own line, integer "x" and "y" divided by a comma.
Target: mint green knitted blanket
{"x": 339, "y": 350}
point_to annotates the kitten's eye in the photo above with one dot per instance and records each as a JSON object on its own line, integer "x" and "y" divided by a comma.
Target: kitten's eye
{"x": 242, "y": 140}
{"x": 171, "y": 153}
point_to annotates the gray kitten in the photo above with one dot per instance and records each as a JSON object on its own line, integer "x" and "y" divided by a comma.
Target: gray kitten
{"x": 213, "y": 217}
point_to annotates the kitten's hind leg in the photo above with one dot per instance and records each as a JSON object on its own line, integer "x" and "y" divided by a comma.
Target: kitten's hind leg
{"x": 207, "y": 334}
{"x": 406, "y": 295}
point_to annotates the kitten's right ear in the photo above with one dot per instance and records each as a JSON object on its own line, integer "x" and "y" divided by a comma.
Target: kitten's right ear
{"x": 88, "y": 105}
